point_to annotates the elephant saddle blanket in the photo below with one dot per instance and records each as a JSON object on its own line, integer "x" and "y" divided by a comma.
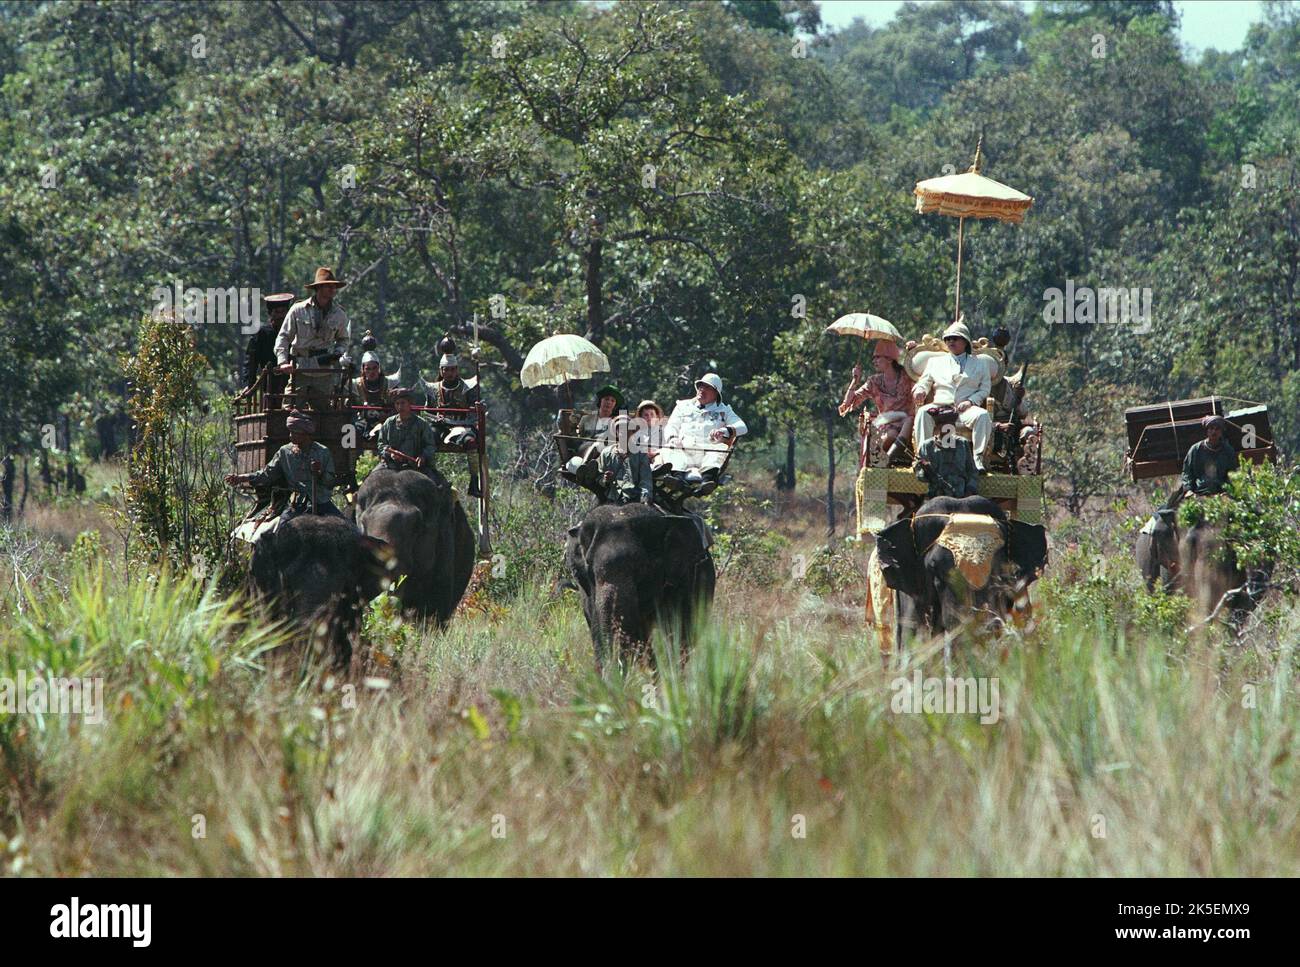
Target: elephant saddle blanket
{"x": 881, "y": 612}
{"x": 973, "y": 540}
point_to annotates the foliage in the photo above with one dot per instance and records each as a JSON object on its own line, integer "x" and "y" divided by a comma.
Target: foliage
{"x": 1260, "y": 517}
{"x": 176, "y": 494}
{"x": 745, "y": 549}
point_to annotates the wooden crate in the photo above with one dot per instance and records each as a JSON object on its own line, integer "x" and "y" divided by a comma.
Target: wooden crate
{"x": 1158, "y": 445}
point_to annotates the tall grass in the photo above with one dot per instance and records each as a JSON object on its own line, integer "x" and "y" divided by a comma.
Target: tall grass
{"x": 1123, "y": 746}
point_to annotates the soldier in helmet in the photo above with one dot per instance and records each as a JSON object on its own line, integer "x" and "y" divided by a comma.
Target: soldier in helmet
{"x": 370, "y": 389}
{"x": 457, "y": 429}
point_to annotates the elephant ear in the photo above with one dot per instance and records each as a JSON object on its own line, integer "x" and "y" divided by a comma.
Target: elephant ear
{"x": 1028, "y": 550}
{"x": 575, "y": 556}
{"x": 896, "y": 551}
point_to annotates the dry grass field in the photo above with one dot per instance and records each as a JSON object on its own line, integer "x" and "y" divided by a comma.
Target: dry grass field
{"x": 1121, "y": 746}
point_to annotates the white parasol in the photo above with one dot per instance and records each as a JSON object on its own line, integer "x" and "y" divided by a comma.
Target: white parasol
{"x": 865, "y": 326}
{"x": 560, "y": 358}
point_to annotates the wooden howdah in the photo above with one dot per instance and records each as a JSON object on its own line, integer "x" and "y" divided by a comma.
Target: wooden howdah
{"x": 260, "y": 416}
{"x": 1160, "y": 435}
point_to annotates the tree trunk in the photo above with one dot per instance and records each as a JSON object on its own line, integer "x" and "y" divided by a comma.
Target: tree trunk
{"x": 595, "y": 305}
{"x": 381, "y": 314}
{"x": 7, "y": 489}
{"x": 830, "y": 475}
{"x": 785, "y": 476}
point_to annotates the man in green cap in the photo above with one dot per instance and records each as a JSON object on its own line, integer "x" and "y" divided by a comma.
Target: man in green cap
{"x": 407, "y": 442}
{"x": 457, "y": 429}
{"x": 302, "y": 466}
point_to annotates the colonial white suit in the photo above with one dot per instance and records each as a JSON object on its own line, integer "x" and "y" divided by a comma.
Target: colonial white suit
{"x": 957, "y": 379}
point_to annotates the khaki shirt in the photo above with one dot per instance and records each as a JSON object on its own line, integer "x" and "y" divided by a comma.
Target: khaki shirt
{"x": 290, "y": 468}
{"x": 415, "y": 438}
{"x": 307, "y": 333}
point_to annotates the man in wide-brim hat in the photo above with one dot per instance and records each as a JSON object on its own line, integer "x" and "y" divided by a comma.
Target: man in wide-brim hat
{"x": 259, "y": 352}
{"x": 314, "y": 335}
{"x": 961, "y": 380}
{"x": 302, "y": 466}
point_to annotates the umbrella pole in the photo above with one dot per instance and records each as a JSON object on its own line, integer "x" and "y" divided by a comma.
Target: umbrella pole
{"x": 961, "y": 224}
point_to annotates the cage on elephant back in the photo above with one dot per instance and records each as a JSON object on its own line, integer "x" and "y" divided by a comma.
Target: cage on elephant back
{"x": 347, "y": 430}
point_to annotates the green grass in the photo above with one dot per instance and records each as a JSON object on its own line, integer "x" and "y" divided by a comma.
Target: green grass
{"x": 493, "y": 748}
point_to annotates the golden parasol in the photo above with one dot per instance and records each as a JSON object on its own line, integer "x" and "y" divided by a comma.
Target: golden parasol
{"x": 970, "y": 195}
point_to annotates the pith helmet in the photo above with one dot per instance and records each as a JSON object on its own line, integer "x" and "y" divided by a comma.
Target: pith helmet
{"x": 714, "y": 380}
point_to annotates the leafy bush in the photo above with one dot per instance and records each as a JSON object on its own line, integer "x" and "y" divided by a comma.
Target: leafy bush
{"x": 528, "y": 535}
{"x": 1260, "y": 516}
{"x": 745, "y": 548}
{"x": 832, "y": 570}
{"x": 176, "y": 493}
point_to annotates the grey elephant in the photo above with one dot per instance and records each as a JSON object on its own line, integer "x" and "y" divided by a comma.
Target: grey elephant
{"x": 1212, "y": 577}
{"x": 635, "y": 567}
{"x": 317, "y": 572}
{"x": 957, "y": 555}
{"x": 1157, "y": 552}
{"x": 426, "y": 527}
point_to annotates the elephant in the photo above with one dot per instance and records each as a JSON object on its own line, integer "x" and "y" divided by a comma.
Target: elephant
{"x": 1210, "y": 571}
{"x": 317, "y": 572}
{"x": 1157, "y": 550}
{"x": 636, "y": 565}
{"x": 420, "y": 519}
{"x": 956, "y": 554}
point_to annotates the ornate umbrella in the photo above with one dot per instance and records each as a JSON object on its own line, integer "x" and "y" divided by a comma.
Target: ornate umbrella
{"x": 865, "y": 326}
{"x": 970, "y": 195}
{"x": 559, "y": 358}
